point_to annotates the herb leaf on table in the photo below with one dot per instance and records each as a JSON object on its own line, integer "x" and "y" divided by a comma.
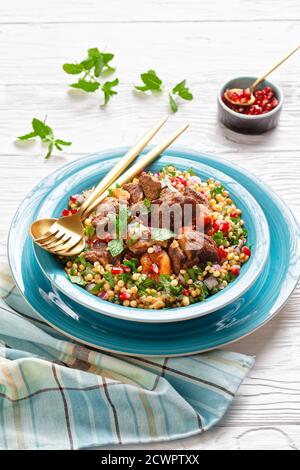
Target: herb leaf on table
{"x": 107, "y": 90}
{"x": 151, "y": 82}
{"x": 182, "y": 91}
{"x": 45, "y": 133}
{"x": 95, "y": 65}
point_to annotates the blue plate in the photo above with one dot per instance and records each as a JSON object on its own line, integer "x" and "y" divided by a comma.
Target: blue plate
{"x": 253, "y": 309}
{"x": 73, "y": 182}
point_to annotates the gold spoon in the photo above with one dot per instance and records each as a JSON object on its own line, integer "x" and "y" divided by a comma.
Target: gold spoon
{"x": 248, "y": 101}
{"x": 65, "y": 236}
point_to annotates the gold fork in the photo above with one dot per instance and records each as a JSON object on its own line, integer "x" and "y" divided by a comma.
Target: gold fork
{"x": 65, "y": 236}
{"x": 53, "y": 232}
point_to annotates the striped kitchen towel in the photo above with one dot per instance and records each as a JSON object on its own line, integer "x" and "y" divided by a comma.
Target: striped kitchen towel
{"x": 57, "y": 394}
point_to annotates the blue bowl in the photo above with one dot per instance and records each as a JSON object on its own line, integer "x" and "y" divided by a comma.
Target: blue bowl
{"x": 77, "y": 181}
{"x": 249, "y": 124}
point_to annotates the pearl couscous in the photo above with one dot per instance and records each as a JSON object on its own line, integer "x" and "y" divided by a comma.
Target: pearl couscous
{"x": 160, "y": 270}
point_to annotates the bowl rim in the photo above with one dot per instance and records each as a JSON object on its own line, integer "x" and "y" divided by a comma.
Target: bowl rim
{"x": 173, "y": 314}
{"x": 247, "y": 117}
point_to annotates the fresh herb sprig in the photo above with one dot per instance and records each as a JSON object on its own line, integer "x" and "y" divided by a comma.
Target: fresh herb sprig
{"x": 116, "y": 246}
{"x": 45, "y": 133}
{"x": 95, "y": 65}
{"x": 182, "y": 91}
{"x": 151, "y": 82}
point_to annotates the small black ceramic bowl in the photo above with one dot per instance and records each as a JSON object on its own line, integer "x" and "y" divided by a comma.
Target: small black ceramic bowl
{"x": 244, "y": 123}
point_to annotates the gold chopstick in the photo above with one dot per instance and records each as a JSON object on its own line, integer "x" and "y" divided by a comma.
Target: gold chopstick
{"x": 118, "y": 169}
{"x": 137, "y": 168}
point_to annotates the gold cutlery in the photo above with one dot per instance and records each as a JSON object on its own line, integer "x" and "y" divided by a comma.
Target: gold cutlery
{"x": 65, "y": 236}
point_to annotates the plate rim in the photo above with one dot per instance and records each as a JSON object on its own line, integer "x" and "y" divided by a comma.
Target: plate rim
{"x": 276, "y": 199}
{"x": 163, "y": 316}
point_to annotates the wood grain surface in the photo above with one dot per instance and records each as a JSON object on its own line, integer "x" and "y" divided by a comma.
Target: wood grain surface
{"x": 207, "y": 43}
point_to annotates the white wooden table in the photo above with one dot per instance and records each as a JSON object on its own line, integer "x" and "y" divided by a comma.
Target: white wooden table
{"x": 206, "y": 42}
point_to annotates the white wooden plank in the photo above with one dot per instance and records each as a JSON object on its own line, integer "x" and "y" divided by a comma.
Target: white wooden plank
{"x": 202, "y": 54}
{"x": 146, "y": 11}
{"x": 200, "y": 41}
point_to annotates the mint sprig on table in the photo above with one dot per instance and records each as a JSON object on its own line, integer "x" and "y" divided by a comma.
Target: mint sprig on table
{"x": 45, "y": 133}
{"x": 95, "y": 65}
{"x": 153, "y": 83}
{"x": 182, "y": 91}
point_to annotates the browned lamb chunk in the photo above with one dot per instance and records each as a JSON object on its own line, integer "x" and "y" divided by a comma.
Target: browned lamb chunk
{"x": 177, "y": 256}
{"x": 150, "y": 185}
{"x": 174, "y": 209}
{"x": 109, "y": 206}
{"x": 99, "y": 254}
{"x": 135, "y": 191}
{"x": 198, "y": 247}
{"x": 199, "y": 197}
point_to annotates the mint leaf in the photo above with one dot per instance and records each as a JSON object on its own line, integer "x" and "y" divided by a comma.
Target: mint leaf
{"x": 50, "y": 148}
{"x": 151, "y": 81}
{"x": 92, "y": 67}
{"x": 107, "y": 90}
{"x": 73, "y": 69}
{"x": 45, "y": 133}
{"x": 28, "y": 136}
{"x": 63, "y": 142}
{"x": 96, "y": 288}
{"x": 115, "y": 247}
{"x": 41, "y": 129}
{"x": 109, "y": 277}
{"x": 77, "y": 280}
{"x": 161, "y": 234}
{"x": 182, "y": 90}
{"x": 89, "y": 231}
{"x": 132, "y": 264}
{"x": 219, "y": 238}
{"x": 173, "y": 104}
{"x": 107, "y": 57}
{"x": 85, "y": 85}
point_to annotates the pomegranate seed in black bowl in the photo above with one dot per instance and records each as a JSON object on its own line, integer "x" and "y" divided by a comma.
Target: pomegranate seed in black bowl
{"x": 261, "y": 116}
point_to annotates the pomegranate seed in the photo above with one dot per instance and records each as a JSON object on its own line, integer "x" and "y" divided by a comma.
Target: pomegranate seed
{"x": 74, "y": 211}
{"x": 65, "y": 213}
{"x": 274, "y": 102}
{"x": 235, "y": 270}
{"x": 72, "y": 199}
{"x": 224, "y": 227}
{"x": 247, "y": 93}
{"x": 222, "y": 252}
{"x": 124, "y": 296}
{"x": 154, "y": 268}
{"x": 117, "y": 270}
{"x": 268, "y": 89}
{"x": 217, "y": 224}
{"x": 186, "y": 292}
{"x": 246, "y": 250}
{"x": 183, "y": 181}
{"x": 265, "y": 101}
{"x": 126, "y": 269}
{"x": 234, "y": 215}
